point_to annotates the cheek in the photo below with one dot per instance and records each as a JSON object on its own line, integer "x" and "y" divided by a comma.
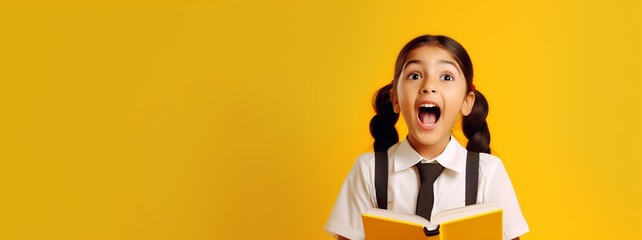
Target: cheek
{"x": 454, "y": 102}
{"x": 406, "y": 105}
{"x": 404, "y": 98}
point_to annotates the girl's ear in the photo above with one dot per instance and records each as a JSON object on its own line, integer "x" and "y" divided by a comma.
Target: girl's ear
{"x": 467, "y": 105}
{"x": 395, "y": 101}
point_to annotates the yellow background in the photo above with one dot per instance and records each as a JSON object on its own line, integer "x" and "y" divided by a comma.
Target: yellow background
{"x": 240, "y": 119}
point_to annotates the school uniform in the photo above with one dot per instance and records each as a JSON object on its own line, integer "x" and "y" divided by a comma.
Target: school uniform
{"x": 358, "y": 191}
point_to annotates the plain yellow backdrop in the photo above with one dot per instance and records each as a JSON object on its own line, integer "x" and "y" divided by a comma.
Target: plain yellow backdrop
{"x": 240, "y": 119}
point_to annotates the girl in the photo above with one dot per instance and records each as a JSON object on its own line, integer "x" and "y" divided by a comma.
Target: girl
{"x": 432, "y": 86}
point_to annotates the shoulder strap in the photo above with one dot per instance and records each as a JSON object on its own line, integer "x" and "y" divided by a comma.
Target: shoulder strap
{"x": 472, "y": 177}
{"x": 381, "y": 179}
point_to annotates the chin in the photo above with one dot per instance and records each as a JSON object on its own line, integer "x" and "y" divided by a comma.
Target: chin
{"x": 429, "y": 138}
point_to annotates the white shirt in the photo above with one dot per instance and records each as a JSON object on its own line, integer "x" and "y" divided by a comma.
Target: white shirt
{"x": 358, "y": 191}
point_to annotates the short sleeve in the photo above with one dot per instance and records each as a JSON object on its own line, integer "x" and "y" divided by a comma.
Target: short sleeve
{"x": 354, "y": 199}
{"x": 500, "y": 190}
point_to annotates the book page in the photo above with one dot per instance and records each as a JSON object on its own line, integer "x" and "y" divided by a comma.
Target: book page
{"x": 445, "y": 216}
{"x": 398, "y": 216}
{"x": 455, "y": 213}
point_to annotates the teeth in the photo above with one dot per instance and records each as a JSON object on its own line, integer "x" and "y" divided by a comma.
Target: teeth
{"x": 428, "y": 105}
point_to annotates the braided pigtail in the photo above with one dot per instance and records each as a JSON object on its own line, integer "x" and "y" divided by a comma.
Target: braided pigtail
{"x": 475, "y": 127}
{"x": 382, "y": 125}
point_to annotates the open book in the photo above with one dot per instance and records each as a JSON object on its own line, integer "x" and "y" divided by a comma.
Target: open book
{"x": 479, "y": 221}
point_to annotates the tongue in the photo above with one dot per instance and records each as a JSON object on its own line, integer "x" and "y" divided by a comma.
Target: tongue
{"x": 427, "y": 118}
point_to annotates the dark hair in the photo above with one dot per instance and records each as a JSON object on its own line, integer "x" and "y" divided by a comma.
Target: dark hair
{"x": 474, "y": 126}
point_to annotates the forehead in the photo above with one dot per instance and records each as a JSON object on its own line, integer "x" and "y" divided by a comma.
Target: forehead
{"x": 430, "y": 54}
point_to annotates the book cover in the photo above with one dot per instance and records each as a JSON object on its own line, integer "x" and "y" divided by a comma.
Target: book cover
{"x": 479, "y": 222}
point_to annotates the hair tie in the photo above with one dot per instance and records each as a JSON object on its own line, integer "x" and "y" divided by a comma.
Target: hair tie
{"x": 473, "y": 87}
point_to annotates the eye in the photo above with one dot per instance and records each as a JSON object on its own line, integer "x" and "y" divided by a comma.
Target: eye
{"x": 447, "y": 77}
{"x": 414, "y": 76}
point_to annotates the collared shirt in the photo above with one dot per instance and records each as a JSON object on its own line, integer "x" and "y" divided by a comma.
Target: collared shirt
{"x": 358, "y": 191}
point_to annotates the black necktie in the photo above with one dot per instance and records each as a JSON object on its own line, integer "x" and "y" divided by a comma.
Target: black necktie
{"x": 428, "y": 173}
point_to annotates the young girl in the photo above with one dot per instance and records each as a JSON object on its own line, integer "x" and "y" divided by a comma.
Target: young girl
{"x": 432, "y": 86}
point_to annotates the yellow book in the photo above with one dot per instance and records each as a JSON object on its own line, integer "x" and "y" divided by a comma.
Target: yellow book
{"x": 478, "y": 222}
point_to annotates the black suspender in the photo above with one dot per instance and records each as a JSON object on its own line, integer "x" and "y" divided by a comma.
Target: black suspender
{"x": 472, "y": 177}
{"x": 381, "y": 178}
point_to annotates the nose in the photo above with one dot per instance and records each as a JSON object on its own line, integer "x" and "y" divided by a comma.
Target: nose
{"x": 428, "y": 86}
{"x": 426, "y": 91}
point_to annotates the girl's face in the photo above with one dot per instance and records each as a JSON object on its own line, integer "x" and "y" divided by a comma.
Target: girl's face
{"x": 430, "y": 93}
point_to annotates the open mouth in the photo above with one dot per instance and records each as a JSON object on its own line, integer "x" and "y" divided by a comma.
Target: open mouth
{"x": 429, "y": 114}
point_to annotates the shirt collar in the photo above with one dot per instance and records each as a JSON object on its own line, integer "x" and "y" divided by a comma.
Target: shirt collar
{"x": 453, "y": 157}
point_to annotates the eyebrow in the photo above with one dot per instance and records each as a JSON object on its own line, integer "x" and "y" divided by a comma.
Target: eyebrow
{"x": 413, "y": 61}
{"x": 417, "y": 61}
